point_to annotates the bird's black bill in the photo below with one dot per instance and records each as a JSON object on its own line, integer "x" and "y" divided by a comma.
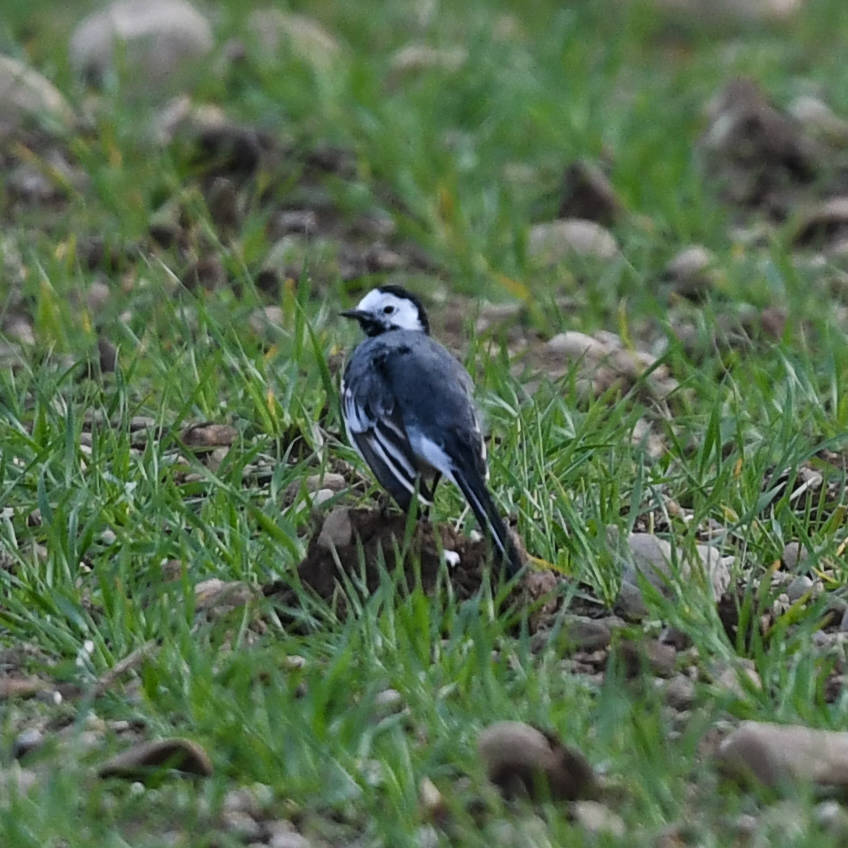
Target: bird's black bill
{"x": 369, "y": 324}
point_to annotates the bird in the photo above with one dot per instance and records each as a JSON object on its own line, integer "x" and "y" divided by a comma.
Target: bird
{"x": 408, "y": 409}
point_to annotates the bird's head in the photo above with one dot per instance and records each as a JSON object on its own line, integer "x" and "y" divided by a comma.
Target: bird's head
{"x": 389, "y": 308}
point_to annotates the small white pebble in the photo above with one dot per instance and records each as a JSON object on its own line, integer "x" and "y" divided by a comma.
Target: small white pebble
{"x": 452, "y": 559}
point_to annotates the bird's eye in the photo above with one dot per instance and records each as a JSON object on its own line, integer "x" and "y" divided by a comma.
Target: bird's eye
{"x": 387, "y": 310}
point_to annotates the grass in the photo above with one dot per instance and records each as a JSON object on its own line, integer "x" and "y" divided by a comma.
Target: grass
{"x": 462, "y": 163}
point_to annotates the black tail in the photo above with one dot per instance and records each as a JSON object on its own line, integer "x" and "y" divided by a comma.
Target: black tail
{"x": 478, "y": 497}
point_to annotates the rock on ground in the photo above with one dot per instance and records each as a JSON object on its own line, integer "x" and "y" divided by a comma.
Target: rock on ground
{"x": 776, "y": 754}
{"x": 153, "y": 40}
{"x": 652, "y": 558}
{"x": 520, "y": 759}
{"x": 143, "y": 759}
{"x": 552, "y": 242}
{"x": 25, "y": 95}
{"x": 692, "y": 272}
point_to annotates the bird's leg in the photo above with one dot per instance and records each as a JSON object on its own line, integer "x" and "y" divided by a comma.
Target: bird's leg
{"x": 430, "y": 494}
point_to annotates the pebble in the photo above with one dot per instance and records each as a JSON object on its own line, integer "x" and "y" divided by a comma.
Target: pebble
{"x": 337, "y": 529}
{"x": 636, "y": 656}
{"x": 241, "y": 825}
{"x": 21, "y": 687}
{"x": 158, "y": 38}
{"x": 25, "y": 95}
{"x": 800, "y": 586}
{"x": 315, "y": 483}
{"x": 519, "y": 759}
{"x": 597, "y": 818}
{"x": 552, "y": 242}
{"x": 651, "y": 557}
{"x": 26, "y": 741}
{"x": 775, "y": 754}
{"x": 692, "y": 271}
{"x": 283, "y": 835}
{"x": 322, "y": 496}
{"x": 387, "y": 702}
{"x": 139, "y": 761}
{"x": 581, "y": 633}
{"x": 208, "y": 435}
{"x": 221, "y": 596}
{"x": 432, "y": 801}
{"x": 680, "y": 692}
{"x": 793, "y": 555}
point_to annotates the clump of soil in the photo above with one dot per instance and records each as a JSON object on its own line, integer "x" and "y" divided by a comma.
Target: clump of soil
{"x": 357, "y": 547}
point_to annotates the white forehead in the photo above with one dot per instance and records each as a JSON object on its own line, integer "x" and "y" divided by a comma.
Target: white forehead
{"x": 376, "y": 301}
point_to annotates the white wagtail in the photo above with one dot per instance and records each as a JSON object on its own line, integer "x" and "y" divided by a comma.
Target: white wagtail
{"x": 408, "y": 410}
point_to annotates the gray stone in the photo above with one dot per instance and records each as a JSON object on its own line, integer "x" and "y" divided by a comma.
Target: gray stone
{"x": 800, "y": 586}
{"x": 283, "y": 835}
{"x": 241, "y": 825}
{"x": 322, "y": 496}
{"x": 638, "y": 655}
{"x": 585, "y": 634}
{"x": 26, "y": 741}
{"x": 692, "y": 271}
{"x": 521, "y": 759}
{"x": 777, "y": 754}
{"x": 221, "y": 596}
{"x": 596, "y": 818}
{"x": 680, "y": 692}
{"x": 552, "y": 242}
{"x": 315, "y": 482}
{"x": 141, "y": 760}
{"x": 387, "y": 702}
{"x": 651, "y": 557}
{"x": 337, "y": 529}
{"x": 793, "y": 555}
{"x": 26, "y": 96}
{"x": 153, "y": 40}
{"x": 603, "y": 361}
